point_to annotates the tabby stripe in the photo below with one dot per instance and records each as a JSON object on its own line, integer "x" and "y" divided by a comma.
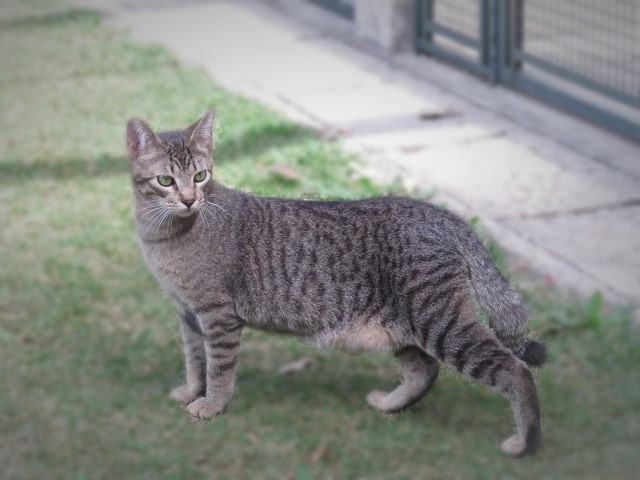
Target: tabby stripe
{"x": 423, "y": 258}
{"x": 432, "y": 318}
{"x": 364, "y": 237}
{"x": 223, "y": 367}
{"x": 443, "y": 335}
{"x": 438, "y": 305}
{"x": 465, "y": 329}
{"x": 491, "y": 374}
{"x": 298, "y": 262}
{"x": 425, "y": 285}
{"x": 158, "y": 190}
{"x": 339, "y": 300}
{"x": 479, "y": 369}
{"x": 222, "y": 356}
{"x": 232, "y": 327}
{"x": 356, "y": 294}
{"x": 218, "y": 330}
{"x": 207, "y": 307}
{"x": 412, "y": 292}
{"x": 461, "y": 355}
{"x": 222, "y": 345}
{"x": 477, "y": 349}
{"x": 305, "y": 281}
{"x": 191, "y": 321}
{"x": 432, "y": 300}
{"x": 283, "y": 267}
{"x": 430, "y": 271}
{"x": 498, "y": 354}
{"x": 257, "y": 263}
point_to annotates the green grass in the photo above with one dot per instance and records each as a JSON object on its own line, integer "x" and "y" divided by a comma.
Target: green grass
{"x": 89, "y": 346}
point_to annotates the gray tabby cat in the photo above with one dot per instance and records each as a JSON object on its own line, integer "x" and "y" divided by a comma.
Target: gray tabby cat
{"x": 390, "y": 274}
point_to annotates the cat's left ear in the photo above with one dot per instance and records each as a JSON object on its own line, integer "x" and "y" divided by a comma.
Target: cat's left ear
{"x": 200, "y": 134}
{"x": 141, "y": 141}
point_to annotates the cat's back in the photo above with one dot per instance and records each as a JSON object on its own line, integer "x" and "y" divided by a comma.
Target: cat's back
{"x": 379, "y": 218}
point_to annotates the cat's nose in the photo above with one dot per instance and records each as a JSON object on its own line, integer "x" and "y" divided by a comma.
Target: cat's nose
{"x": 188, "y": 202}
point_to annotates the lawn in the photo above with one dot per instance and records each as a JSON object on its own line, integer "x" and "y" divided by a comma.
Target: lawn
{"x": 89, "y": 345}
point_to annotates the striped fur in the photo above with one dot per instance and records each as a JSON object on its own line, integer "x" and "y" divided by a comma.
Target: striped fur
{"x": 391, "y": 274}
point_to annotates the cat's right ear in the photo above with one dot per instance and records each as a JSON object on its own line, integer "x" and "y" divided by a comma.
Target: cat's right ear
{"x": 141, "y": 141}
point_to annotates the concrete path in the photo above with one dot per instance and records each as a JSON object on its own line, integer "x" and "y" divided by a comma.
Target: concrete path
{"x": 562, "y": 196}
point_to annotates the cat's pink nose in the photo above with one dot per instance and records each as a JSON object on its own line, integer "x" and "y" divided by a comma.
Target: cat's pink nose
{"x": 188, "y": 202}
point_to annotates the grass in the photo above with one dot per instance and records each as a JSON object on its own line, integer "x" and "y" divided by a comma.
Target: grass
{"x": 89, "y": 346}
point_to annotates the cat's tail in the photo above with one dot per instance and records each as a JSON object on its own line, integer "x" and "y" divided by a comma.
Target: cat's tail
{"x": 507, "y": 312}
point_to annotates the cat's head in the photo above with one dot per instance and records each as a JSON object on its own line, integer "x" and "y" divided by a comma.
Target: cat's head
{"x": 171, "y": 169}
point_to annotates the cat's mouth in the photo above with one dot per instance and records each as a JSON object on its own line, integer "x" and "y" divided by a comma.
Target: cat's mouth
{"x": 184, "y": 210}
{"x": 187, "y": 212}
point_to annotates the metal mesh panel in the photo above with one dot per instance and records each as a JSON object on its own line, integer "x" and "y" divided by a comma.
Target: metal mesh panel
{"x": 582, "y": 55}
{"x": 593, "y": 39}
{"x": 460, "y": 15}
{"x": 451, "y": 29}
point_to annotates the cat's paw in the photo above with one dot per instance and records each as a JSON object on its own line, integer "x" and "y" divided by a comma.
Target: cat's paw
{"x": 184, "y": 394}
{"x": 379, "y": 400}
{"x": 515, "y": 446}
{"x": 203, "y": 409}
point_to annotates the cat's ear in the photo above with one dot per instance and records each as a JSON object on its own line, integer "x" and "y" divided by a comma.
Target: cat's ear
{"x": 199, "y": 135}
{"x": 141, "y": 140}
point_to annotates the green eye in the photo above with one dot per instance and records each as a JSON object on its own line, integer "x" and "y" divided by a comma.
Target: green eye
{"x": 165, "y": 180}
{"x": 200, "y": 176}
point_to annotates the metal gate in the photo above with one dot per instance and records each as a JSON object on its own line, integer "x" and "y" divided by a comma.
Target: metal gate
{"x": 582, "y": 55}
{"x": 344, "y": 8}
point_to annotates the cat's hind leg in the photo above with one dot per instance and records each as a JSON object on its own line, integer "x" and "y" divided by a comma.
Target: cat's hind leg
{"x": 419, "y": 372}
{"x": 468, "y": 346}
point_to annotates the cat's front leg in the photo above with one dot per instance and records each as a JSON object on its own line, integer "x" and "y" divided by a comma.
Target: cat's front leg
{"x": 194, "y": 358}
{"x": 222, "y": 331}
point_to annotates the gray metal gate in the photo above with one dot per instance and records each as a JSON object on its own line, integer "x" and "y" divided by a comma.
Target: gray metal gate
{"x": 582, "y": 55}
{"x": 344, "y": 8}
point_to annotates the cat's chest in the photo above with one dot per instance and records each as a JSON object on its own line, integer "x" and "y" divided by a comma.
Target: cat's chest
{"x": 179, "y": 270}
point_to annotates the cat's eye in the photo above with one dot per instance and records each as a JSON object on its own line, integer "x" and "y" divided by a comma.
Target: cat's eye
{"x": 200, "y": 176}
{"x": 165, "y": 180}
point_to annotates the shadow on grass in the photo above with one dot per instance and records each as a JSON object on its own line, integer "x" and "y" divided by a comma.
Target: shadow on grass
{"x": 53, "y": 19}
{"x": 256, "y": 141}
{"x": 14, "y": 171}
{"x": 252, "y": 142}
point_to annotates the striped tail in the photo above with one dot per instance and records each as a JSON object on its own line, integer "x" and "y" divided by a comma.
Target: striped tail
{"x": 507, "y": 312}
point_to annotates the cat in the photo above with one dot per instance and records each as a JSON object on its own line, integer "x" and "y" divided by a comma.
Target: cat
{"x": 390, "y": 274}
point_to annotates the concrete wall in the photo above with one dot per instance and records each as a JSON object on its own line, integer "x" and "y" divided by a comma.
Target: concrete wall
{"x": 387, "y": 23}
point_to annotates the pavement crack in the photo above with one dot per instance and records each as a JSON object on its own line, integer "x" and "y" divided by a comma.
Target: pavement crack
{"x": 634, "y": 202}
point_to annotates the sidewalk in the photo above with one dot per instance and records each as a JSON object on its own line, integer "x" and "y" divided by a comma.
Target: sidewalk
{"x": 562, "y": 196}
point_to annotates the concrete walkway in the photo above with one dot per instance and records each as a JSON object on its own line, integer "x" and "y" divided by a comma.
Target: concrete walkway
{"x": 562, "y": 196}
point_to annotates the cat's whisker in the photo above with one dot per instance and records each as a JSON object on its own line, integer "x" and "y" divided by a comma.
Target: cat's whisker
{"x": 217, "y": 206}
{"x": 162, "y": 219}
{"x": 149, "y": 207}
{"x": 204, "y": 223}
{"x": 213, "y": 214}
{"x": 155, "y": 217}
{"x": 159, "y": 222}
{"x": 149, "y": 215}
{"x": 150, "y": 219}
